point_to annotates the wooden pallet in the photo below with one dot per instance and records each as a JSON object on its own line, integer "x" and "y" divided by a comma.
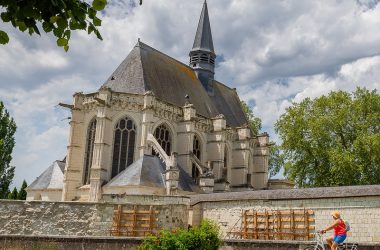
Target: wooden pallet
{"x": 292, "y": 224}
{"x": 134, "y": 223}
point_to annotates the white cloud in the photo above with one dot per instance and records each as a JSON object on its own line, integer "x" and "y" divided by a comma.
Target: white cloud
{"x": 273, "y": 97}
{"x": 20, "y": 60}
{"x": 42, "y": 133}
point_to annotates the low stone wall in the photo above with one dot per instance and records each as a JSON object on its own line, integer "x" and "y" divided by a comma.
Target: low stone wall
{"x": 280, "y": 245}
{"x": 84, "y": 219}
{"x": 359, "y": 205}
{"x": 18, "y": 242}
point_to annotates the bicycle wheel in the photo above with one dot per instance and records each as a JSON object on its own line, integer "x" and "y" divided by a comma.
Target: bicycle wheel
{"x": 313, "y": 248}
{"x": 342, "y": 248}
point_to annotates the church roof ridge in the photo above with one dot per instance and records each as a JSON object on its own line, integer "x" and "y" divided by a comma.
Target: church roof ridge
{"x": 51, "y": 178}
{"x": 142, "y": 45}
{"x": 148, "y": 69}
{"x": 223, "y": 84}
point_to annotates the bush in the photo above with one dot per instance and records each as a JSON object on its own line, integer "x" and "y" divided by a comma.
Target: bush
{"x": 204, "y": 237}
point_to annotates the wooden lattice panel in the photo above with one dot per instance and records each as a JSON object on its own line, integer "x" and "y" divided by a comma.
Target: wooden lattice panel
{"x": 134, "y": 223}
{"x": 293, "y": 224}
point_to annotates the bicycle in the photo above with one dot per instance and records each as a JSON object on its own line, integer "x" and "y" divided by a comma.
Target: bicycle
{"x": 320, "y": 245}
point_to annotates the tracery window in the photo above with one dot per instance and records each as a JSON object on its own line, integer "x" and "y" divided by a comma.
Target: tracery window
{"x": 197, "y": 152}
{"x": 123, "y": 146}
{"x": 163, "y": 136}
{"x": 91, "y": 131}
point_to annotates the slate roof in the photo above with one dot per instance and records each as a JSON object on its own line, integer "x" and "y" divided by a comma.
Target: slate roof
{"x": 146, "y": 171}
{"x": 149, "y": 171}
{"x": 290, "y": 194}
{"x": 51, "y": 178}
{"x": 147, "y": 69}
{"x": 227, "y": 102}
{"x": 203, "y": 37}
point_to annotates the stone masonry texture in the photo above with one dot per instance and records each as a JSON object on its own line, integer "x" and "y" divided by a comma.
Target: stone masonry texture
{"x": 19, "y": 242}
{"x": 358, "y": 205}
{"x": 76, "y": 219}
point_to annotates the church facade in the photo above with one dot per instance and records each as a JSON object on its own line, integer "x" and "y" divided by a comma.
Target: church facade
{"x": 158, "y": 126}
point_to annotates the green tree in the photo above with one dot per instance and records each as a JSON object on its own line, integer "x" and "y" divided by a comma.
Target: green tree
{"x": 13, "y": 195}
{"x": 333, "y": 140}
{"x": 59, "y": 17}
{"x": 276, "y": 159}
{"x": 254, "y": 122}
{"x": 7, "y": 142}
{"x": 22, "y": 193}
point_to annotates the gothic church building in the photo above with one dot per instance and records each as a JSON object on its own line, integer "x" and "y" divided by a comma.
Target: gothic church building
{"x": 158, "y": 126}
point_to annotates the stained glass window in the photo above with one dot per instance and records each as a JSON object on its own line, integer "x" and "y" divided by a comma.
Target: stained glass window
{"x": 163, "y": 136}
{"x": 124, "y": 145}
{"x": 91, "y": 131}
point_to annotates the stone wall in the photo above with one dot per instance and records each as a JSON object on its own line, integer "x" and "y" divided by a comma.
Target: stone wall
{"x": 82, "y": 219}
{"x": 20, "y": 242}
{"x": 358, "y": 205}
{"x": 17, "y": 242}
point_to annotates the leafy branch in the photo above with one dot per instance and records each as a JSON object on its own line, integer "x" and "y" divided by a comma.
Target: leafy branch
{"x": 59, "y": 17}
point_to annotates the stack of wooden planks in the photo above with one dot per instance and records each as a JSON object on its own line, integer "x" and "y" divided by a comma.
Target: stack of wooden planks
{"x": 134, "y": 222}
{"x": 290, "y": 224}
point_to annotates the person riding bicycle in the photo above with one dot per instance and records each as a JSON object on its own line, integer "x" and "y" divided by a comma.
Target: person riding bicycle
{"x": 340, "y": 232}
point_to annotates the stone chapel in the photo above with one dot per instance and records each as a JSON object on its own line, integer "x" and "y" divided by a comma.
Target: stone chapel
{"x": 158, "y": 126}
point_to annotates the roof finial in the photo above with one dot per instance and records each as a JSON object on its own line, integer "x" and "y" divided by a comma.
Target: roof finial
{"x": 138, "y": 44}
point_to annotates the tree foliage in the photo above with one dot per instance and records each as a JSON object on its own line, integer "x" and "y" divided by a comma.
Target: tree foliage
{"x": 7, "y": 142}
{"x": 204, "y": 237}
{"x": 13, "y": 195}
{"x": 22, "y": 193}
{"x": 276, "y": 159}
{"x": 58, "y": 17}
{"x": 254, "y": 122}
{"x": 332, "y": 140}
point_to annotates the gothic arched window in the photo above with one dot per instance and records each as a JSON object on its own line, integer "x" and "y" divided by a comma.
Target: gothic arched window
{"x": 163, "y": 136}
{"x": 225, "y": 167}
{"x": 197, "y": 147}
{"x": 123, "y": 145}
{"x": 197, "y": 152}
{"x": 89, "y": 151}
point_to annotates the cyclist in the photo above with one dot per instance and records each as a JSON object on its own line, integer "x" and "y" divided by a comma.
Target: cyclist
{"x": 340, "y": 232}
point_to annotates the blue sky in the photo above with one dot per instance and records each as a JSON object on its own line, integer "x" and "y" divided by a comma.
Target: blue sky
{"x": 274, "y": 52}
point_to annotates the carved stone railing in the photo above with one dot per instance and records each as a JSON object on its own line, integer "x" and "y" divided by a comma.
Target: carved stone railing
{"x": 202, "y": 168}
{"x": 170, "y": 161}
{"x": 172, "y": 172}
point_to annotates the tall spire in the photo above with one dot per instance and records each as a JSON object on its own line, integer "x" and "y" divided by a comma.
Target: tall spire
{"x": 203, "y": 37}
{"x": 202, "y": 55}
